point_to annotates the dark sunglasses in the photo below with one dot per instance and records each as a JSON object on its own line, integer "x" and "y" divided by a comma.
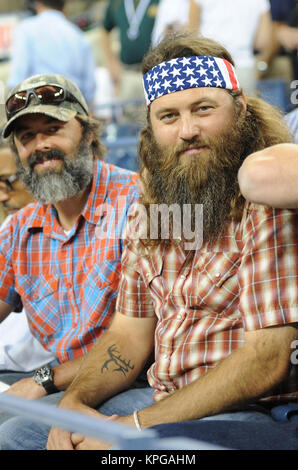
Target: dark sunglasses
{"x": 46, "y": 94}
{"x": 9, "y": 180}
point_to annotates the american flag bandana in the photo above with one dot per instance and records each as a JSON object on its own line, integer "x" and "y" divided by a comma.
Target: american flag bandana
{"x": 188, "y": 72}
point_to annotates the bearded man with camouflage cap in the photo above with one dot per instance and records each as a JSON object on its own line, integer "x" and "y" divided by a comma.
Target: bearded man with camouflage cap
{"x": 60, "y": 256}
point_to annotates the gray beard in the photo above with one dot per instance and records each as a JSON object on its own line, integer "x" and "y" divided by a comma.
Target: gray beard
{"x": 52, "y": 186}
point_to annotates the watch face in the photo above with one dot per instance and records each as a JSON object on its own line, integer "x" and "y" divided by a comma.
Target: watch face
{"x": 42, "y": 374}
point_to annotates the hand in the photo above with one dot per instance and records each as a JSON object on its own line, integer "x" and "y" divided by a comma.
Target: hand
{"x": 81, "y": 442}
{"x": 27, "y": 388}
{"x": 60, "y": 439}
{"x": 288, "y": 37}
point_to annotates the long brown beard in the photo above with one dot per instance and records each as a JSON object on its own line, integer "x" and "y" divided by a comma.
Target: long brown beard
{"x": 209, "y": 178}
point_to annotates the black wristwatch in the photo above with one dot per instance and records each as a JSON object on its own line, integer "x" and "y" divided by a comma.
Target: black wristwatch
{"x": 44, "y": 376}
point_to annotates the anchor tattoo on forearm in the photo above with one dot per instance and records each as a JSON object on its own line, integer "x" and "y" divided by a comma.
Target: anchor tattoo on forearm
{"x": 121, "y": 365}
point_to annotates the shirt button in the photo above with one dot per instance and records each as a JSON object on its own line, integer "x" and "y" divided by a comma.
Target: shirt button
{"x": 217, "y": 274}
{"x": 179, "y": 317}
{"x": 68, "y": 285}
{"x": 147, "y": 274}
{"x": 165, "y": 356}
{"x": 183, "y": 276}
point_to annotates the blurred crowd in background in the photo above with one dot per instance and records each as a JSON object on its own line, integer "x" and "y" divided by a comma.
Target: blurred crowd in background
{"x": 100, "y": 44}
{"x": 262, "y": 36}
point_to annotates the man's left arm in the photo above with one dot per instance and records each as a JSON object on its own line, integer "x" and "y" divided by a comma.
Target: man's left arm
{"x": 248, "y": 373}
{"x": 63, "y": 375}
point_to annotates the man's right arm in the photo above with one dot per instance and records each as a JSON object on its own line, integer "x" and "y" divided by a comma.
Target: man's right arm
{"x": 112, "y": 365}
{"x": 5, "y": 310}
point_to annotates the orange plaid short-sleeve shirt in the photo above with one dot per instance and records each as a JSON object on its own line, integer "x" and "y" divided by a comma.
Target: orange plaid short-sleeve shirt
{"x": 205, "y": 300}
{"x": 68, "y": 283}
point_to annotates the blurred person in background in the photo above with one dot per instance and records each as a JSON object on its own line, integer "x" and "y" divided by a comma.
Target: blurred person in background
{"x": 19, "y": 350}
{"x": 242, "y": 27}
{"x": 285, "y": 20}
{"x": 13, "y": 195}
{"x": 172, "y": 15}
{"x": 292, "y": 121}
{"x": 50, "y": 43}
{"x": 134, "y": 20}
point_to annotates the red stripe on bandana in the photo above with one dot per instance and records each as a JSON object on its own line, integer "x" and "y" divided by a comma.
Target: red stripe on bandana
{"x": 232, "y": 75}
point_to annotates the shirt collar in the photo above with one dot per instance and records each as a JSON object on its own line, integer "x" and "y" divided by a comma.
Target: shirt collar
{"x": 95, "y": 207}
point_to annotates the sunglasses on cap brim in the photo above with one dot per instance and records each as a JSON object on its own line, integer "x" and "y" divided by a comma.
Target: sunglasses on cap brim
{"x": 46, "y": 94}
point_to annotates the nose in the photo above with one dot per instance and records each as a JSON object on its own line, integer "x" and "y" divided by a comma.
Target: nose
{"x": 42, "y": 142}
{"x": 189, "y": 128}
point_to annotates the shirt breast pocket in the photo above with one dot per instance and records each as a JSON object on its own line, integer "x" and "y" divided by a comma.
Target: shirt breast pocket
{"x": 214, "y": 283}
{"x": 40, "y": 299}
{"x": 100, "y": 292}
{"x": 36, "y": 287}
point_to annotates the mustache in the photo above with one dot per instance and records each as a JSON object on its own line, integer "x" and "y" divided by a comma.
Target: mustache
{"x": 40, "y": 157}
{"x": 171, "y": 156}
{"x": 194, "y": 143}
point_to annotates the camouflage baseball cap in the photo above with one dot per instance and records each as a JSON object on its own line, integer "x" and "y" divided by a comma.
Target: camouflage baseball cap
{"x": 63, "y": 111}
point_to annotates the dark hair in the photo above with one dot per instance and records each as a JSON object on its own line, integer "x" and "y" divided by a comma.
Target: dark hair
{"x": 56, "y": 4}
{"x": 93, "y": 126}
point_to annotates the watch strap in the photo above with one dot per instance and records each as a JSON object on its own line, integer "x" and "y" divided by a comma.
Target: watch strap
{"x": 46, "y": 381}
{"x": 50, "y": 387}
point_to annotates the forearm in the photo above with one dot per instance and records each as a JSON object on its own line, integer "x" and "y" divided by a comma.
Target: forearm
{"x": 194, "y": 17}
{"x": 65, "y": 373}
{"x": 271, "y": 176}
{"x": 265, "y": 41}
{"x": 239, "y": 379}
{"x": 98, "y": 379}
{"x": 108, "y": 52}
{"x": 62, "y": 375}
{"x": 111, "y": 365}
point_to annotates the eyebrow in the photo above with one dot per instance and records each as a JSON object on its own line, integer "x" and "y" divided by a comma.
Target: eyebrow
{"x": 24, "y": 127}
{"x": 195, "y": 103}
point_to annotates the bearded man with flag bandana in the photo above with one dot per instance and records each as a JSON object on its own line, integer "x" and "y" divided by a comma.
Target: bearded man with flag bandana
{"x": 219, "y": 310}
